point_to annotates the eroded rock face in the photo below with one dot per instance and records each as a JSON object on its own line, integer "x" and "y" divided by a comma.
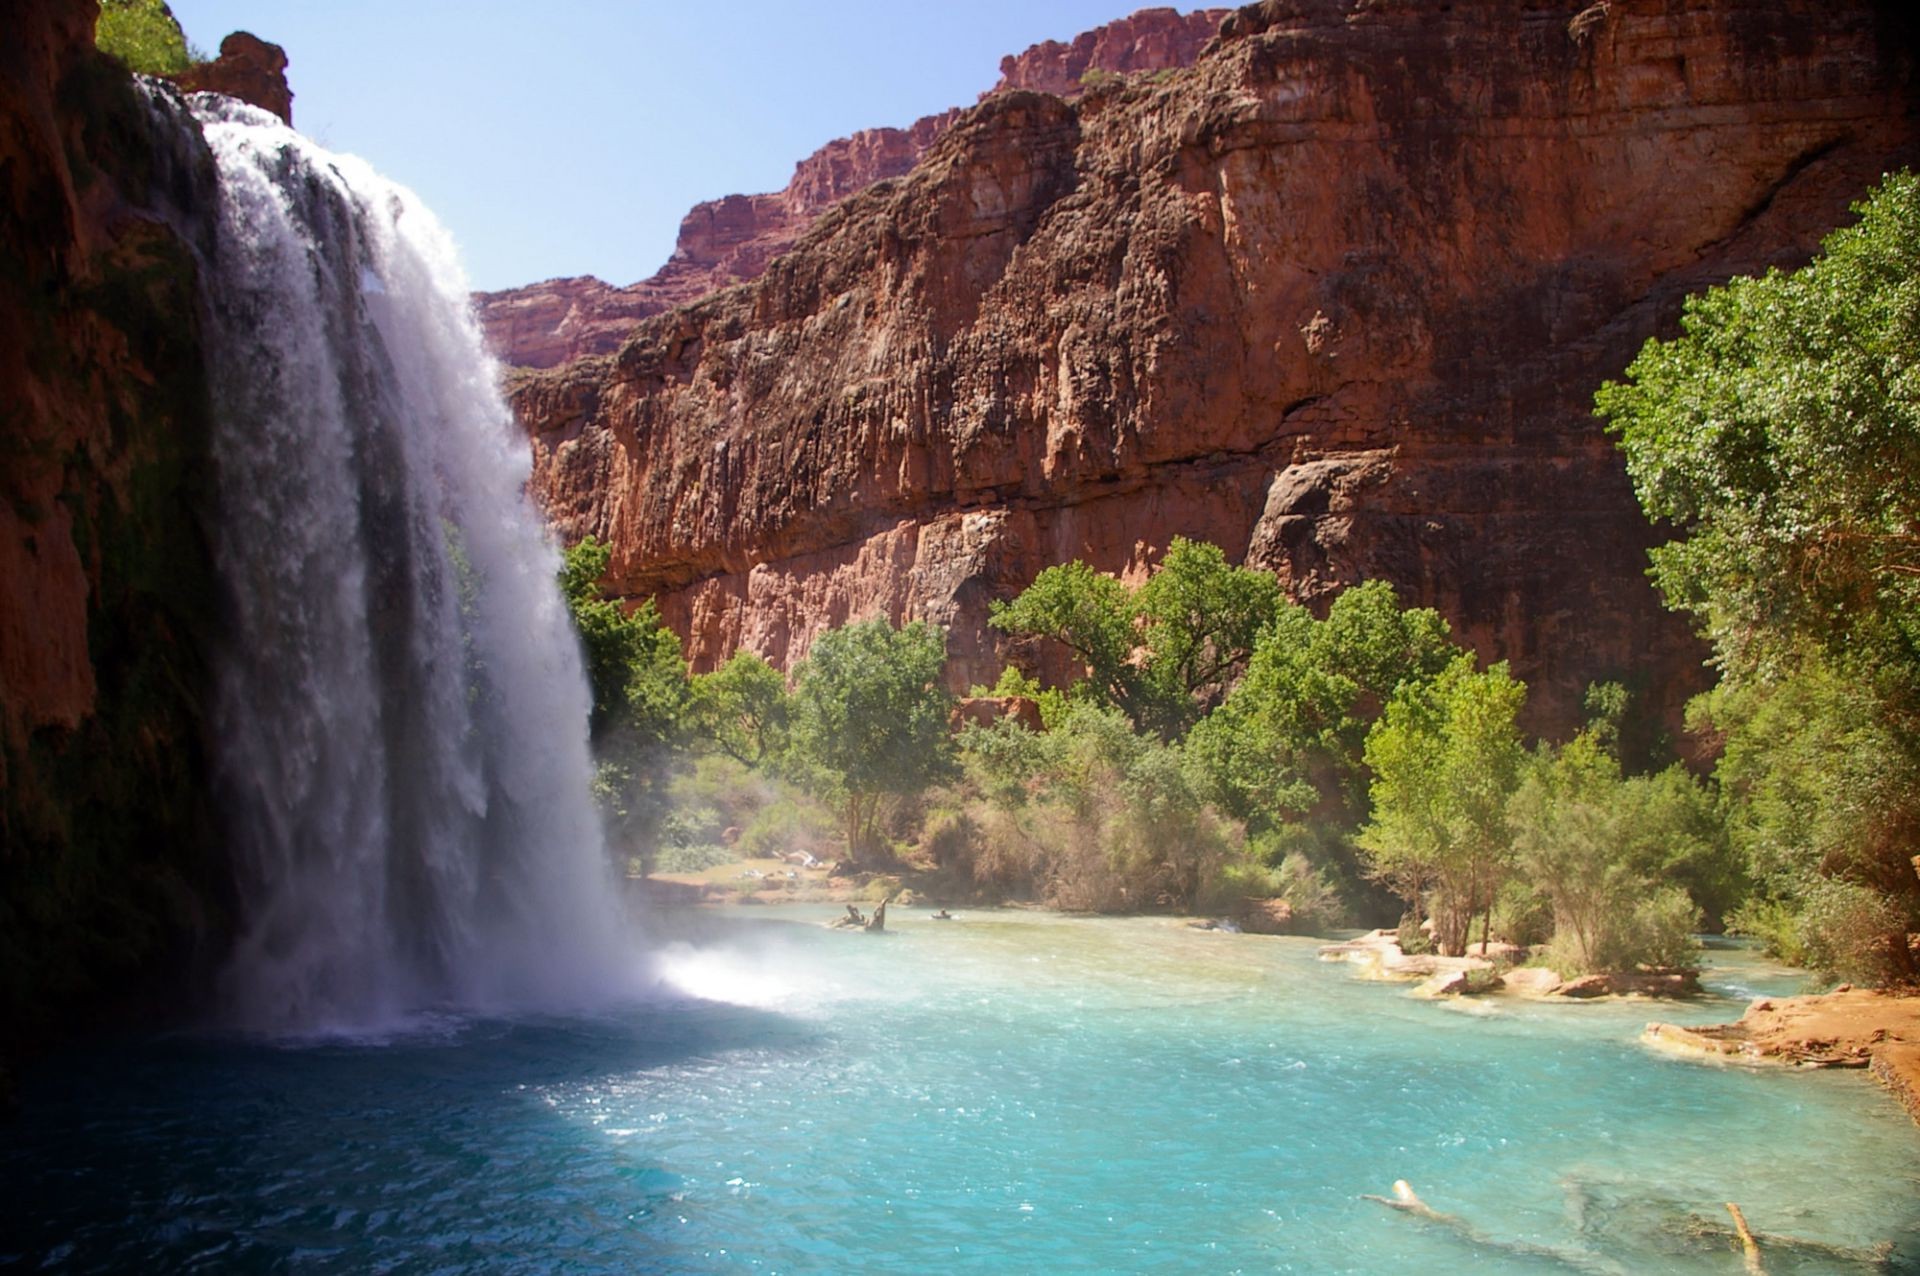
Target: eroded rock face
{"x": 1335, "y": 298}
{"x": 728, "y": 241}
{"x": 108, "y": 880}
{"x": 248, "y": 68}
{"x": 1150, "y": 40}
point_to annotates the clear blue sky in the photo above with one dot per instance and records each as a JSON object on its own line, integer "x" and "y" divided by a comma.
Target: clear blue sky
{"x": 568, "y": 137}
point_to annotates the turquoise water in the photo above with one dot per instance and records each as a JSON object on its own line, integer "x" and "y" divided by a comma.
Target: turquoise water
{"x": 1007, "y": 1092}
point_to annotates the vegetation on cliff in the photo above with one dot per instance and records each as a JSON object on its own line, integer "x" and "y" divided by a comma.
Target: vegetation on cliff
{"x": 145, "y": 35}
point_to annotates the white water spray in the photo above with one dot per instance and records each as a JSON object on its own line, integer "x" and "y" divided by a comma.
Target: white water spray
{"x": 401, "y": 714}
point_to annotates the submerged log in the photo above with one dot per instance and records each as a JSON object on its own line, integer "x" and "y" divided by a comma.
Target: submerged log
{"x": 1749, "y": 1247}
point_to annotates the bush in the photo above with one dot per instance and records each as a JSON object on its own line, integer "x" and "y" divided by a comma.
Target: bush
{"x": 1521, "y": 915}
{"x": 789, "y": 824}
{"x": 696, "y": 858}
{"x": 1774, "y": 925}
{"x": 1844, "y": 930}
{"x": 1657, "y": 931}
{"x": 144, "y": 35}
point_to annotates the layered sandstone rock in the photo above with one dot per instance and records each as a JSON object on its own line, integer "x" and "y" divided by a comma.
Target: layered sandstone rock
{"x": 1335, "y": 298}
{"x": 728, "y": 241}
{"x": 1148, "y": 41}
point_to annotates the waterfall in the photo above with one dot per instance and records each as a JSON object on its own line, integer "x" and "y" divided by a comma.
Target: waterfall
{"x": 401, "y": 713}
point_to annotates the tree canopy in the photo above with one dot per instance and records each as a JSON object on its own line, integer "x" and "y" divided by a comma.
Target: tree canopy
{"x": 1446, "y": 758}
{"x": 1780, "y": 435}
{"x": 1164, "y": 653}
{"x": 870, "y": 717}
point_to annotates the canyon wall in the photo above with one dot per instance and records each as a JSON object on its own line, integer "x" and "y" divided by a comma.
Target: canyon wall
{"x": 111, "y": 875}
{"x": 727, "y": 241}
{"x": 1335, "y": 297}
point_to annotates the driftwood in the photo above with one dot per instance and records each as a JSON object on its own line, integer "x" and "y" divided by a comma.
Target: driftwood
{"x": 856, "y": 920}
{"x": 1749, "y": 1246}
{"x": 1407, "y": 1201}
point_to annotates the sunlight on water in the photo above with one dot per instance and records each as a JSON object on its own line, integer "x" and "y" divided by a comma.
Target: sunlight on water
{"x": 1006, "y": 1092}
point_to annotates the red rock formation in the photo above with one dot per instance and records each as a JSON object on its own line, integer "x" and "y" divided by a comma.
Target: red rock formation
{"x": 105, "y": 579}
{"x": 248, "y": 68}
{"x": 729, "y": 241}
{"x": 1336, "y": 299}
{"x": 1150, "y": 40}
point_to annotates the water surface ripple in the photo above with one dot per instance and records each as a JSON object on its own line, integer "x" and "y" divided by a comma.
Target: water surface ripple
{"x": 1008, "y": 1092}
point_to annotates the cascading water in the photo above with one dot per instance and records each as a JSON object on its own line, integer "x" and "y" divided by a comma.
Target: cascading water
{"x": 401, "y": 712}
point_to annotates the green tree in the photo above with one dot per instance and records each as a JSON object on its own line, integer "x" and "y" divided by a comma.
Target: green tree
{"x": 744, "y": 708}
{"x": 633, "y": 661}
{"x": 1820, "y": 792}
{"x": 870, "y": 718}
{"x": 1780, "y": 436}
{"x": 144, "y": 35}
{"x": 1291, "y": 733}
{"x": 1597, "y": 846}
{"x": 1198, "y": 618}
{"x": 1165, "y": 653}
{"x": 1446, "y": 758}
{"x": 1089, "y": 613}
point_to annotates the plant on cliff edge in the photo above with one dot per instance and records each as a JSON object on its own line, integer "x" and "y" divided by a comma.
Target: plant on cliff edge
{"x": 144, "y": 35}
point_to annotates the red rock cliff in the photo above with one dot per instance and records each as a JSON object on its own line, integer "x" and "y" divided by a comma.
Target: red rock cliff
{"x": 728, "y": 241}
{"x": 106, "y": 594}
{"x": 248, "y": 68}
{"x": 1336, "y": 298}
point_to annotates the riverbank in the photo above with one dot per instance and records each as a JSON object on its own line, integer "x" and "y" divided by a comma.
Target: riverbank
{"x": 1493, "y": 969}
{"x": 1848, "y": 1028}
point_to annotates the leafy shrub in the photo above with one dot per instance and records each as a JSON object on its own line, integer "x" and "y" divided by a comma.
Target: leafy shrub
{"x": 786, "y": 824}
{"x": 1844, "y": 931}
{"x": 1775, "y": 925}
{"x": 1656, "y": 931}
{"x": 1314, "y": 901}
{"x": 696, "y": 858}
{"x": 144, "y": 35}
{"x": 1521, "y": 915}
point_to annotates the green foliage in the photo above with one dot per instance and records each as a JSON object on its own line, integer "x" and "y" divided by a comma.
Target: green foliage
{"x": 1012, "y": 682}
{"x": 633, "y": 661}
{"x": 1606, "y": 852}
{"x": 1522, "y": 914}
{"x": 1446, "y": 757}
{"x": 1164, "y": 653}
{"x": 144, "y": 35}
{"x": 1781, "y": 436}
{"x": 1088, "y": 612}
{"x": 1822, "y": 786}
{"x": 743, "y": 707}
{"x": 1292, "y": 733}
{"x": 870, "y": 716}
{"x": 640, "y": 692}
{"x": 692, "y": 858}
{"x": 1090, "y": 815}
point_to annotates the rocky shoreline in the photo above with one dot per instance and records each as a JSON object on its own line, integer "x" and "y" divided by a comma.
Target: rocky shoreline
{"x": 1379, "y": 956}
{"x": 1847, "y": 1028}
